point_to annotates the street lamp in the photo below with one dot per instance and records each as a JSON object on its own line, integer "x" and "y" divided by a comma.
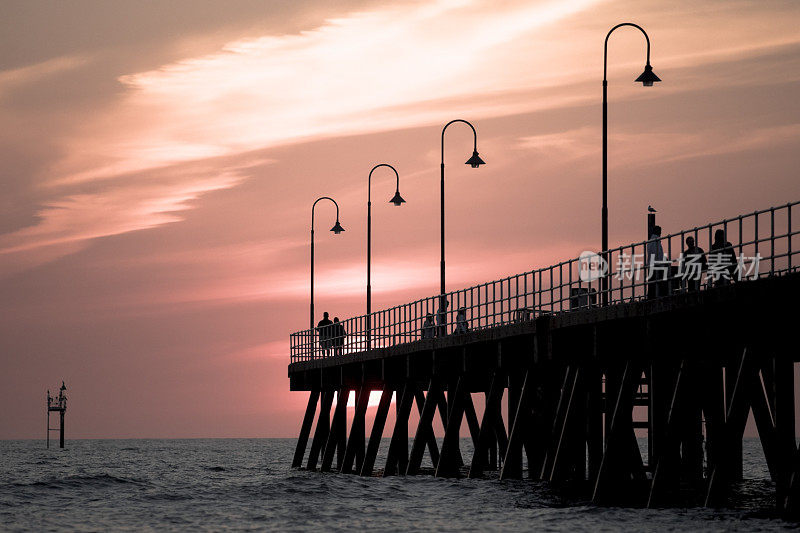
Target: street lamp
{"x": 396, "y": 200}
{"x": 336, "y": 229}
{"x": 647, "y": 78}
{"x": 475, "y": 161}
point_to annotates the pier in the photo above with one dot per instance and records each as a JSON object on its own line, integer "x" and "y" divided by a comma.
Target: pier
{"x": 585, "y": 356}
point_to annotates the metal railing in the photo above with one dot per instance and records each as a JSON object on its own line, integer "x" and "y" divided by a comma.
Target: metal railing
{"x": 755, "y": 245}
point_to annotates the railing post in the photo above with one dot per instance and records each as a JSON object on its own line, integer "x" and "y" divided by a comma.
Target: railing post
{"x": 772, "y": 241}
{"x": 789, "y": 235}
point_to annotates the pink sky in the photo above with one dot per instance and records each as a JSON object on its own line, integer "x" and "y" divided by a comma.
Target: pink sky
{"x": 160, "y": 162}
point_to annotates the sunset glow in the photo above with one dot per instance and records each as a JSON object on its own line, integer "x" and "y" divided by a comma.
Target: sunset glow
{"x": 158, "y": 185}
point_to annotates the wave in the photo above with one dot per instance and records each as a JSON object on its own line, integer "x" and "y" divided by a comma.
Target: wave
{"x": 93, "y": 480}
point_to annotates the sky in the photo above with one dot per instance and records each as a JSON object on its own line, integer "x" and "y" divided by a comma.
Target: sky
{"x": 160, "y": 159}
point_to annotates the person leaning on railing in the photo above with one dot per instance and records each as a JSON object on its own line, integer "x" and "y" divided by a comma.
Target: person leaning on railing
{"x": 721, "y": 260}
{"x": 441, "y": 316}
{"x": 428, "y": 327}
{"x": 338, "y": 333}
{"x": 462, "y": 326}
{"x": 692, "y": 264}
{"x": 657, "y": 274}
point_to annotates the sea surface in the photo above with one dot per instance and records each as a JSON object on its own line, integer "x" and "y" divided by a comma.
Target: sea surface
{"x": 247, "y": 484}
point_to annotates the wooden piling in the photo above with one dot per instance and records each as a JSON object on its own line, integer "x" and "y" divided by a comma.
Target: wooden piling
{"x": 323, "y": 428}
{"x": 356, "y": 431}
{"x": 377, "y": 430}
{"x": 338, "y": 427}
{"x": 397, "y": 458}
{"x": 424, "y": 434}
{"x": 449, "y": 458}
{"x": 305, "y": 429}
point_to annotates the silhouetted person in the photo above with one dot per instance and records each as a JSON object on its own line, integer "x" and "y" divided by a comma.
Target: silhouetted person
{"x": 428, "y": 327}
{"x": 655, "y": 259}
{"x": 462, "y": 326}
{"x": 693, "y": 263}
{"x": 441, "y": 317}
{"x": 339, "y": 334}
{"x": 324, "y": 328}
{"x": 721, "y": 260}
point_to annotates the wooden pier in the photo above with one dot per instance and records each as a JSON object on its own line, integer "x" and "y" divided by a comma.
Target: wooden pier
{"x": 685, "y": 367}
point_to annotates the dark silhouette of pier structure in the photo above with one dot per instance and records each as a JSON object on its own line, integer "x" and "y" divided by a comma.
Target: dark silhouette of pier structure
{"x": 567, "y": 386}
{"x": 57, "y": 405}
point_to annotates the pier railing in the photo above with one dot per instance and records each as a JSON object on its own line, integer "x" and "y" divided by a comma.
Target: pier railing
{"x": 760, "y": 244}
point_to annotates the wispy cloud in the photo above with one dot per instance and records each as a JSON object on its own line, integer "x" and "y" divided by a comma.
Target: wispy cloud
{"x": 81, "y": 217}
{"x": 11, "y": 79}
{"x": 387, "y": 68}
{"x": 359, "y": 73}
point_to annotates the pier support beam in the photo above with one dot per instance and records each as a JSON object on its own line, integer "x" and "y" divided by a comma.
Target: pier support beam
{"x": 356, "y": 440}
{"x": 622, "y": 462}
{"x": 518, "y": 420}
{"x": 334, "y": 444}
{"x": 397, "y": 458}
{"x": 486, "y": 433}
{"x": 377, "y": 431}
{"x": 448, "y": 460}
{"x": 728, "y": 461}
{"x": 428, "y": 436}
{"x": 305, "y": 429}
{"x": 322, "y": 430}
{"x": 425, "y": 432}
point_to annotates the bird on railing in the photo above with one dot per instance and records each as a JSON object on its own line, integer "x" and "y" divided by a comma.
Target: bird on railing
{"x": 650, "y": 209}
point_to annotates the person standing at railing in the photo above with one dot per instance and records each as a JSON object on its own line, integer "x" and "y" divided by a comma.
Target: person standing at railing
{"x": 441, "y": 316}
{"x": 655, "y": 258}
{"x": 721, "y": 260}
{"x": 338, "y": 334}
{"x": 428, "y": 327}
{"x": 324, "y": 328}
{"x": 693, "y": 263}
{"x": 462, "y": 326}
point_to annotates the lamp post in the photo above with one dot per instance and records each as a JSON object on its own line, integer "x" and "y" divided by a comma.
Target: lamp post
{"x": 396, "y": 200}
{"x": 336, "y": 229}
{"x": 475, "y": 161}
{"x": 647, "y": 78}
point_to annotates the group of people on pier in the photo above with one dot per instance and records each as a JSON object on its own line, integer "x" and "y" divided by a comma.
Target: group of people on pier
{"x": 439, "y": 328}
{"x": 331, "y": 335}
{"x": 719, "y": 265}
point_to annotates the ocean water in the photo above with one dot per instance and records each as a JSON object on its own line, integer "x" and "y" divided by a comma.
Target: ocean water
{"x": 247, "y": 484}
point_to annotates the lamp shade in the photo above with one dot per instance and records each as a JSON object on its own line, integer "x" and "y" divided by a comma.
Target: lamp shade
{"x": 337, "y": 228}
{"x": 648, "y": 77}
{"x": 397, "y": 199}
{"x": 475, "y": 161}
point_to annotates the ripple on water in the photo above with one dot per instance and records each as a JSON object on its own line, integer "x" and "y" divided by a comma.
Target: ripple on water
{"x": 246, "y": 484}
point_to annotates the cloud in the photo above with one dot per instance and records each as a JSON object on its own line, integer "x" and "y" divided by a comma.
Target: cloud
{"x": 76, "y": 219}
{"x": 12, "y": 79}
{"x": 387, "y": 68}
{"x": 354, "y": 74}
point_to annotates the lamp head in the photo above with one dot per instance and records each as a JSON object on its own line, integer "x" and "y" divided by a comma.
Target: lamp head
{"x": 397, "y": 199}
{"x": 337, "y": 228}
{"x": 648, "y": 76}
{"x": 475, "y": 161}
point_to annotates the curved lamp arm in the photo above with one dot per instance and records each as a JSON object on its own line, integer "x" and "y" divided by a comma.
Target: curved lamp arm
{"x": 315, "y": 205}
{"x": 605, "y": 47}
{"x": 474, "y": 135}
{"x": 369, "y": 179}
